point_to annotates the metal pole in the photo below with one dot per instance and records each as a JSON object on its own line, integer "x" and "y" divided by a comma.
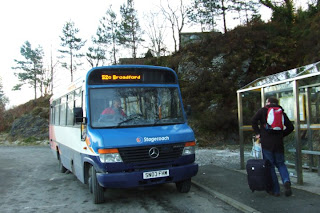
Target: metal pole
{"x": 297, "y": 133}
{"x": 263, "y": 98}
{"x": 240, "y": 118}
{"x": 309, "y": 133}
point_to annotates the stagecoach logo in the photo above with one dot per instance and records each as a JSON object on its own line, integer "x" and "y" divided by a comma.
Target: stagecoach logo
{"x": 154, "y": 152}
{"x": 151, "y": 139}
{"x": 139, "y": 139}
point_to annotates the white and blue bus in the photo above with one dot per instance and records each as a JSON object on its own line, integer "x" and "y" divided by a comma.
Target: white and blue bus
{"x": 123, "y": 126}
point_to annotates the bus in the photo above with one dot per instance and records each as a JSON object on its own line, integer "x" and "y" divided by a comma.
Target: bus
{"x": 123, "y": 126}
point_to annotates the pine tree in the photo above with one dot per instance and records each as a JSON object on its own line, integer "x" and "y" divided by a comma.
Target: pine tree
{"x": 204, "y": 12}
{"x": 71, "y": 46}
{"x": 106, "y": 36}
{"x": 282, "y": 11}
{"x": 32, "y": 66}
{"x": 95, "y": 55}
{"x": 130, "y": 32}
{"x": 248, "y": 8}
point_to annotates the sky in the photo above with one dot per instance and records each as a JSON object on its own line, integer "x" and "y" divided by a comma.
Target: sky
{"x": 40, "y": 22}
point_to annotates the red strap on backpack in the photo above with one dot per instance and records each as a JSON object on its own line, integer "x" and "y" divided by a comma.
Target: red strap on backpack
{"x": 275, "y": 119}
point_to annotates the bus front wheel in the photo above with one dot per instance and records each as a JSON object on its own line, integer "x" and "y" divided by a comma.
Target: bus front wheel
{"x": 62, "y": 169}
{"x": 95, "y": 188}
{"x": 184, "y": 186}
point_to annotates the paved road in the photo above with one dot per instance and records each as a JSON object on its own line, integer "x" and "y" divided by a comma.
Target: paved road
{"x": 233, "y": 184}
{"x": 30, "y": 182}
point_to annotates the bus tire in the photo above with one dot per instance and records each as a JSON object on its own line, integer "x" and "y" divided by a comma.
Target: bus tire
{"x": 184, "y": 186}
{"x": 90, "y": 184}
{"x": 62, "y": 169}
{"x": 97, "y": 190}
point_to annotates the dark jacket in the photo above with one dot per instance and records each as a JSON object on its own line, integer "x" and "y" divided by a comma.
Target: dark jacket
{"x": 269, "y": 140}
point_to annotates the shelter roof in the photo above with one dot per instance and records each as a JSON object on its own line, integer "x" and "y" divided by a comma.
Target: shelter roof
{"x": 285, "y": 76}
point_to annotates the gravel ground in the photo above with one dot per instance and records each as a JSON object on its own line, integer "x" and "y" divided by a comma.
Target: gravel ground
{"x": 227, "y": 158}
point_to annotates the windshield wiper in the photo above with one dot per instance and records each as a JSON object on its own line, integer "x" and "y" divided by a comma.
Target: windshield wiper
{"x": 159, "y": 119}
{"x": 125, "y": 121}
{"x": 132, "y": 117}
{"x": 156, "y": 121}
{"x": 171, "y": 121}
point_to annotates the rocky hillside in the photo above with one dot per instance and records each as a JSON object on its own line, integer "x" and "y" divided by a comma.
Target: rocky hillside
{"x": 28, "y": 123}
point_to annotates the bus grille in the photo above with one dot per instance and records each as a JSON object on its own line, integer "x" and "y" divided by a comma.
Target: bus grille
{"x": 141, "y": 154}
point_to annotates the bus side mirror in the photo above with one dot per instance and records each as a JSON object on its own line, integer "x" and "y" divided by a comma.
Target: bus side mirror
{"x": 188, "y": 110}
{"x": 78, "y": 115}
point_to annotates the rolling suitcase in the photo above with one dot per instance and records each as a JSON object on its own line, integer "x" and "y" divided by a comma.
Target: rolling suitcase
{"x": 258, "y": 173}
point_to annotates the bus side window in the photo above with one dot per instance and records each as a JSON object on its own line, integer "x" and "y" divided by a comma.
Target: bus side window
{"x": 70, "y": 106}
{"x": 57, "y": 112}
{"x": 77, "y": 106}
{"x": 63, "y": 111}
{"x": 78, "y": 114}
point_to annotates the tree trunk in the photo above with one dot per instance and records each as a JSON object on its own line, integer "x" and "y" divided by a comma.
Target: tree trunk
{"x": 51, "y": 73}
{"x": 114, "y": 53}
{"x": 35, "y": 90}
{"x": 35, "y": 82}
{"x": 224, "y": 16}
{"x": 71, "y": 66}
{"x": 174, "y": 39}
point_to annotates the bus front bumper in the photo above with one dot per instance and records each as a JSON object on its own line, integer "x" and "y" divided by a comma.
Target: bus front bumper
{"x": 135, "y": 179}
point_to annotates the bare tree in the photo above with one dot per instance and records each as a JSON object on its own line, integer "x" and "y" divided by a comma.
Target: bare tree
{"x": 156, "y": 32}
{"x": 52, "y": 67}
{"x": 177, "y": 17}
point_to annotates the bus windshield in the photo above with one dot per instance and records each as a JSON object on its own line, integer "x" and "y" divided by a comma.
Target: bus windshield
{"x": 135, "y": 106}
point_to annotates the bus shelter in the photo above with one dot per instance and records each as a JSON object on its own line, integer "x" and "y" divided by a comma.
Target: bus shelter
{"x": 298, "y": 91}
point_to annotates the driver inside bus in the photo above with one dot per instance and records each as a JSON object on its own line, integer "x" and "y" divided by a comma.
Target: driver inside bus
{"x": 115, "y": 111}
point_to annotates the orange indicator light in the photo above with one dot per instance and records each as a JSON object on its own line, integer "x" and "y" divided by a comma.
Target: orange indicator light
{"x": 108, "y": 151}
{"x": 193, "y": 143}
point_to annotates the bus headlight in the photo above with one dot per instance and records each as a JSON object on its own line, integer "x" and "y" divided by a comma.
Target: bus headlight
{"x": 189, "y": 148}
{"x": 109, "y": 156}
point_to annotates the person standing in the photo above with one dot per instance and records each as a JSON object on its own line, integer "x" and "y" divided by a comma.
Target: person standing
{"x": 272, "y": 144}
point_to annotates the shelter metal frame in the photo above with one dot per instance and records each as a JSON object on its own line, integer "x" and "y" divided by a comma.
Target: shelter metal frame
{"x": 290, "y": 77}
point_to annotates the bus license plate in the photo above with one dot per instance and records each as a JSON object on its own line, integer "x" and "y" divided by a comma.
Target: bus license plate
{"x": 156, "y": 174}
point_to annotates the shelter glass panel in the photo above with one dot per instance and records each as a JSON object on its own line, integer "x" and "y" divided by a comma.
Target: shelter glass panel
{"x": 251, "y": 102}
{"x": 315, "y": 105}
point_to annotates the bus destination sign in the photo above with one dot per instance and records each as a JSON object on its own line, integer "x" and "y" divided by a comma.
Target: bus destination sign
{"x": 116, "y": 77}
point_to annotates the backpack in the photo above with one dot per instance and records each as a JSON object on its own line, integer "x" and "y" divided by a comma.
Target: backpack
{"x": 275, "y": 119}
